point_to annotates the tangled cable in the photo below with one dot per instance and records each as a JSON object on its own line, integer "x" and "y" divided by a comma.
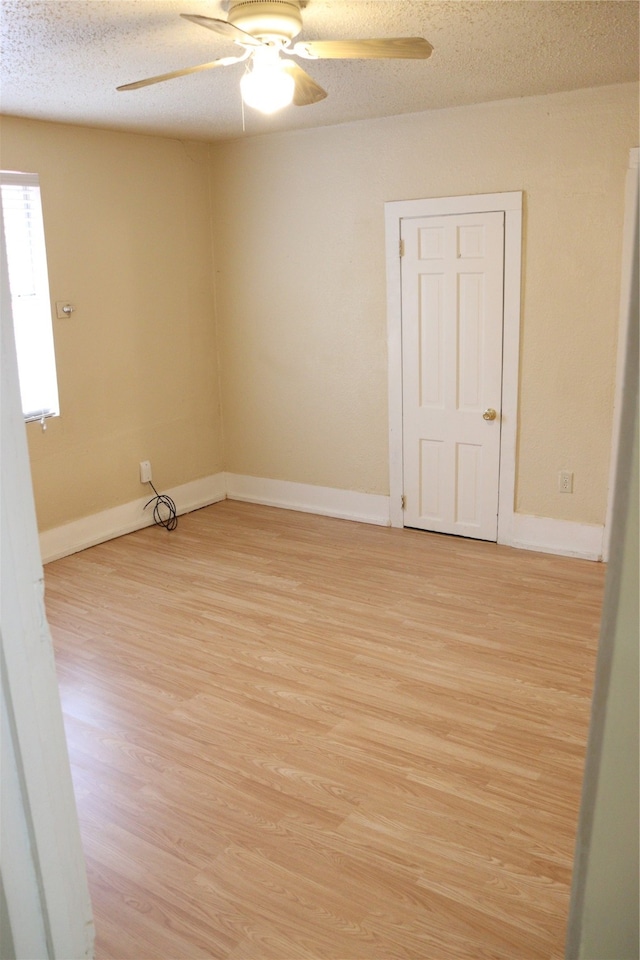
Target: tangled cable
{"x": 164, "y": 510}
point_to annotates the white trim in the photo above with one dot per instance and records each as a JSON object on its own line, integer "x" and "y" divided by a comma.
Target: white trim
{"x": 630, "y": 209}
{"x": 563, "y": 537}
{"x": 88, "y": 531}
{"x": 395, "y": 211}
{"x": 605, "y": 847}
{"x": 28, "y": 936}
{"x": 43, "y": 868}
{"x": 530, "y": 533}
{"x": 308, "y": 498}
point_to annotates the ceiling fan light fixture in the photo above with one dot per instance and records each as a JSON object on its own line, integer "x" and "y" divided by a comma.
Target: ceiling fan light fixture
{"x": 264, "y": 29}
{"x": 268, "y": 86}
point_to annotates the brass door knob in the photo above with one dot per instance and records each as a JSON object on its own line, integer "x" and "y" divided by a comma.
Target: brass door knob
{"x": 489, "y": 414}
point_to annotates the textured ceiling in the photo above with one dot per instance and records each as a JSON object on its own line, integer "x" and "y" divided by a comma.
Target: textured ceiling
{"x": 62, "y": 60}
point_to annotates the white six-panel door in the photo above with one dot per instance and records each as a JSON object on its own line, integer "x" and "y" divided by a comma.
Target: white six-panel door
{"x": 452, "y": 278}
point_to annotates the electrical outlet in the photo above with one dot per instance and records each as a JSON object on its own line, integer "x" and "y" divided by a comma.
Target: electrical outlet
{"x": 145, "y": 471}
{"x": 565, "y": 481}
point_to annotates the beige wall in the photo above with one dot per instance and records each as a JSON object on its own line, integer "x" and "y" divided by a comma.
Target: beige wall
{"x": 129, "y": 244}
{"x": 296, "y": 285}
{"x": 299, "y": 249}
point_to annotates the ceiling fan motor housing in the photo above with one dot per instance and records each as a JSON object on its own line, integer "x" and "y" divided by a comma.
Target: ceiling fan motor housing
{"x": 279, "y": 20}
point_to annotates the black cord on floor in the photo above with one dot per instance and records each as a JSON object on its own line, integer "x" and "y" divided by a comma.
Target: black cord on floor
{"x": 164, "y": 510}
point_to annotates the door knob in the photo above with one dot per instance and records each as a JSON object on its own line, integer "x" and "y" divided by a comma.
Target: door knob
{"x": 489, "y": 414}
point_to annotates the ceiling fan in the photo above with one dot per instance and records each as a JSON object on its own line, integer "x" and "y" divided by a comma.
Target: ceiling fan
{"x": 265, "y": 29}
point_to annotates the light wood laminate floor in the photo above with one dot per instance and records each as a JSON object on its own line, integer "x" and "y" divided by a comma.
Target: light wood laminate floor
{"x": 299, "y": 738}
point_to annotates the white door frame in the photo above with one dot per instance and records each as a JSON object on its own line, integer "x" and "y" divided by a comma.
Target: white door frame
{"x": 628, "y": 253}
{"x": 395, "y": 211}
{"x": 48, "y": 910}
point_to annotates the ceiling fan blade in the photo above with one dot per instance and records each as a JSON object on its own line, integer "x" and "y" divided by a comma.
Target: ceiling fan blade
{"x": 223, "y": 62}
{"x": 307, "y": 91}
{"x": 410, "y": 48}
{"x": 224, "y": 28}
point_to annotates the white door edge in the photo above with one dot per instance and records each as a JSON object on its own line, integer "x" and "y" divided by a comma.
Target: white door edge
{"x": 48, "y": 910}
{"x": 395, "y": 211}
{"x": 628, "y": 253}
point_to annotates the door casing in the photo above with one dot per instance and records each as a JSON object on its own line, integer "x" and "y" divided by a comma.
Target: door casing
{"x": 395, "y": 211}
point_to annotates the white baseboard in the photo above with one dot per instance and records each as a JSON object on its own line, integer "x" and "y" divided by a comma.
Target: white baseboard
{"x": 564, "y": 537}
{"x": 326, "y": 501}
{"x": 88, "y": 531}
{"x": 526, "y": 532}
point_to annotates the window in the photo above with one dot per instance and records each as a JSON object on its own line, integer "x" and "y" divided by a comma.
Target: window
{"x": 29, "y": 288}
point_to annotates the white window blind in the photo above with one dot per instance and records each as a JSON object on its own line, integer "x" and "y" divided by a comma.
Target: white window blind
{"x": 29, "y": 288}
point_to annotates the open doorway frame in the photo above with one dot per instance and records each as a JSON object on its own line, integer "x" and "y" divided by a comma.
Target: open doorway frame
{"x": 45, "y": 909}
{"x": 628, "y": 253}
